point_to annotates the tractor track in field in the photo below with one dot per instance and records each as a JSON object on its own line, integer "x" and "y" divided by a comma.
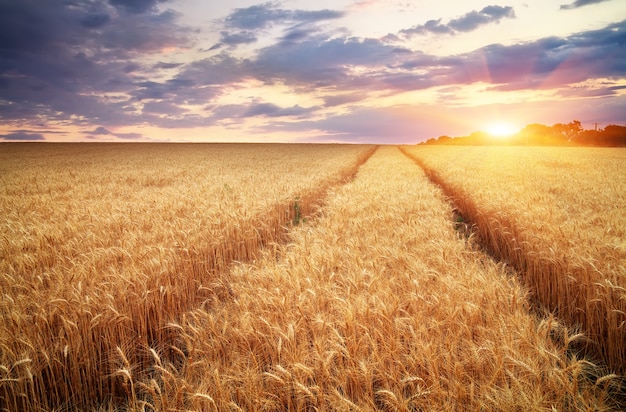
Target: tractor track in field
{"x": 497, "y": 240}
{"x": 210, "y": 266}
{"x": 198, "y": 278}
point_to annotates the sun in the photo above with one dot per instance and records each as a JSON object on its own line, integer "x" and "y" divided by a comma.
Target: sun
{"x": 501, "y": 129}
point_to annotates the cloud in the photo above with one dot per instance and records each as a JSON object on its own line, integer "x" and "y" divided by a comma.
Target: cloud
{"x": 103, "y": 64}
{"x": 242, "y": 37}
{"x": 550, "y": 62}
{"x": 266, "y": 15}
{"x": 468, "y": 22}
{"x": 547, "y": 63}
{"x": 136, "y": 6}
{"x": 243, "y": 25}
{"x": 22, "y": 135}
{"x": 341, "y": 99}
{"x": 129, "y": 136}
{"x": 100, "y": 131}
{"x": 162, "y": 107}
{"x": 258, "y": 109}
{"x": 272, "y": 110}
{"x": 164, "y": 65}
{"x": 95, "y": 21}
{"x": 393, "y": 125}
{"x": 324, "y": 62}
{"x": 60, "y": 60}
{"x": 582, "y": 91}
{"x": 218, "y": 69}
{"x": 580, "y": 3}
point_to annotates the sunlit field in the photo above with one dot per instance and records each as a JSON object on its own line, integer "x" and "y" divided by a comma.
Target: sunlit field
{"x": 103, "y": 245}
{"x": 306, "y": 277}
{"x": 556, "y": 214}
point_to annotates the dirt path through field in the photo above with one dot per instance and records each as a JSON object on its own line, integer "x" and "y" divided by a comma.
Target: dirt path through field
{"x": 376, "y": 304}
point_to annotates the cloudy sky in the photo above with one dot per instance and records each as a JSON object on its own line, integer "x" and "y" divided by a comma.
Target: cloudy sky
{"x": 375, "y": 71}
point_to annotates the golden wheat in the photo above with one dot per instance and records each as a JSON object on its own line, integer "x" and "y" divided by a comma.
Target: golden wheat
{"x": 378, "y": 305}
{"x": 119, "y": 290}
{"x": 557, "y": 215}
{"x": 104, "y": 245}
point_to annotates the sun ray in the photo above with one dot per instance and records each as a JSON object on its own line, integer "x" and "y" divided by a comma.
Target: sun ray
{"x": 501, "y": 129}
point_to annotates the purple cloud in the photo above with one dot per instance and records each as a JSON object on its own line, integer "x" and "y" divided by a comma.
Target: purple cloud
{"x": 22, "y": 135}
{"x": 92, "y": 64}
{"x": 468, "y": 22}
{"x": 580, "y": 3}
{"x": 265, "y": 15}
{"x": 136, "y": 6}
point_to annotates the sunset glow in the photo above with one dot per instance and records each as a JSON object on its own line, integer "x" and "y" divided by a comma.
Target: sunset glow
{"x": 501, "y": 129}
{"x": 375, "y": 71}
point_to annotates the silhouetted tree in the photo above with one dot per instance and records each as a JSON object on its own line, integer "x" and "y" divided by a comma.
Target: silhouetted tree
{"x": 539, "y": 134}
{"x": 444, "y": 140}
{"x": 569, "y": 131}
{"x": 613, "y": 135}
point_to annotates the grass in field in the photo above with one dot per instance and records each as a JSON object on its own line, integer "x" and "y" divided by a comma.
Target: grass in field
{"x": 119, "y": 290}
{"x": 104, "y": 245}
{"x": 378, "y": 306}
{"x": 557, "y": 215}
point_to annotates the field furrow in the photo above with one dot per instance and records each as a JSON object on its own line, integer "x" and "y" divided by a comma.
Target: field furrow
{"x": 377, "y": 305}
{"x": 104, "y": 245}
{"x": 557, "y": 216}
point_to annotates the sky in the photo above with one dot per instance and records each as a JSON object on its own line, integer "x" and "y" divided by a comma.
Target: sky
{"x": 344, "y": 71}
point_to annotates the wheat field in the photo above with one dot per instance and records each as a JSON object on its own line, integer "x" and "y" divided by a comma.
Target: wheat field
{"x": 556, "y": 214}
{"x": 104, "y": 245}
{"x": 261, "y": 277}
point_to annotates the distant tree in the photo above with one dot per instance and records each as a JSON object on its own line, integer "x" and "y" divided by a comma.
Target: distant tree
{"x": 539, "y": 134}
{"x": 444, "y": 140}
{"x": 479, "y": 138}
{"x": 613, "y": 135}
{"x": 569, "y": 131}
{"x": 588, "y": 137}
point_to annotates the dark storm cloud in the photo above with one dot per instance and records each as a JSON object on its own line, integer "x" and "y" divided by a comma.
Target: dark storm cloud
{"x": 580, "y": 3}
{"x": 468, "y": 22}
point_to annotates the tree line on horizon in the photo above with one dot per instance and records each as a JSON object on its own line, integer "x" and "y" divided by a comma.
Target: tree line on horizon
{"x": 570, "y": 134}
